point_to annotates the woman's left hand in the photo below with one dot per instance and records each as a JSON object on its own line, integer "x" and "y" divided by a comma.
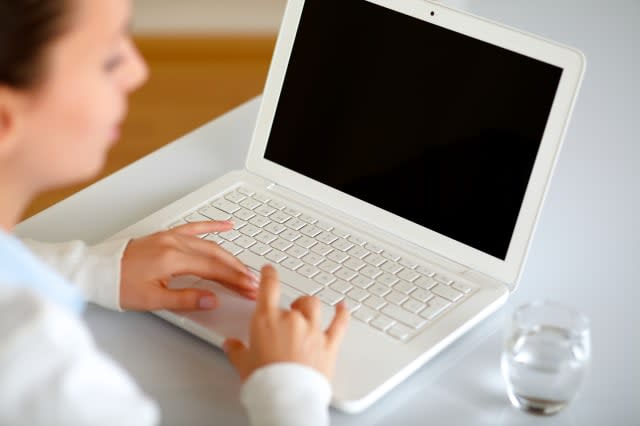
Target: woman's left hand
{"x": 150, "y": 262}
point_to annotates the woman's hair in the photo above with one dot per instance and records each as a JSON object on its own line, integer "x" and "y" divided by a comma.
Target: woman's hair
{"x": 27, "y": 28}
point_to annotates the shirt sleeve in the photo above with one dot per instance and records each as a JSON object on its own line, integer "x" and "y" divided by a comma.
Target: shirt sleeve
{"x": 94, "y": 269}
{"x": 287, "y": 394}
{"x": 51, "y": 372}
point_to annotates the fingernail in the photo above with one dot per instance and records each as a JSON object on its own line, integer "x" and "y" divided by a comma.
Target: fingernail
{"x": 254, "y": 279}
{"x": 207, "y": 302}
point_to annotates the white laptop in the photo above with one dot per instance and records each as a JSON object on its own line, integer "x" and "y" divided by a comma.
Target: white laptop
{"x": 399, "y": 163}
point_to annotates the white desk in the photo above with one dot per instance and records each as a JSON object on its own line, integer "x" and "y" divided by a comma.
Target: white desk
{"x": 585, "y": 252}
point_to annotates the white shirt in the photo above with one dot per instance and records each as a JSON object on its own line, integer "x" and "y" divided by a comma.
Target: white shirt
{"x": 52, "y": 373}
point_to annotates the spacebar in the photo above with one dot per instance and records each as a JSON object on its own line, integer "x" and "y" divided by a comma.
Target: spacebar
{"x": 292, "y": 279}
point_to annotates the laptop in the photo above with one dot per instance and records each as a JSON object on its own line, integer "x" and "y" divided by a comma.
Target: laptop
{"x": 399, "y": 163}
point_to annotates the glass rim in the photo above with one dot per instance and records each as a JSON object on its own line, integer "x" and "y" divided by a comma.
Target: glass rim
{"x": 582, "y": 322}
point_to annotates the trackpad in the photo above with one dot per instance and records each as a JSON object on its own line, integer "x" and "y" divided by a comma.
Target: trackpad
{"x": 231, "y": 318}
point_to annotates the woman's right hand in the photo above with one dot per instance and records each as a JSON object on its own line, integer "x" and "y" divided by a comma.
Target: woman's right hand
{"x": 295, "y": 335}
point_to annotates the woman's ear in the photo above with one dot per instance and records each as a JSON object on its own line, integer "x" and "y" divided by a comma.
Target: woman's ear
{"x": 9, "y": 121}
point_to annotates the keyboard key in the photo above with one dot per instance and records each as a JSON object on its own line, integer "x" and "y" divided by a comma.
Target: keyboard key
{"x": 291, "y": 212}
{"x": 462, "y": 287}
{"x": 358, "y": 294}
{"x": 424, "y": 271}
{"x": 382, "y": 323}
{"x": 434, "y": 308}
{"x": 413, "y": 306}
{"x": 232, "y": 248}
{"x": 308, "y": 219}
{"x": 356, "y": 240}
{"x": 230, "y": 235}
{"x": 245, "y": 191}
{"x": 250, "y": 203}
{"x": 215, "y": 238}
{"x": 405, "y": 317}
{"x": 275, "y": 228}
{"x": 276, "y": 204}
{"x": 379, "y": 290}
{"x": 390, "y": 256}
{"x": 324, "y": 225}
{"x": 340, "y": 232}
{"x": 259, "y": 221}
{"x": 361, "y": 281}
{"x": 337, "y": 256}
{"x": 311, "y": 231}
{"x": 391, "y": 267}
{"x": 400, "y": 332}
{"x": 341, "y": 286}
{"x": 375, "y": 302}
{"x": 305, "y": 242}
{"x": 326, "y": 237}
{"x": 351, "y": 304}
{"x": 307, "y": 271}
{"x": 404, "y": 287}
{"x": 281, "y": 244}
{"x": 244, "y": 214}
{"x": 294, "y": 223}
{"x": 330, "y": 297}
{"x": 250, "y": 230}
{"x": 237, "y": 223}
{"x": 180, "y": 223}
{"x": 290, "y": 235}
{"x": 358, "y": 252}
{"x": 370, "y": 271}
{"x": 322, "y": 249}
{"x": 196, "y": 217}
{"x": 442, "y": 279}
{"x": 235, "y": 197}
{"x": 374, "y": 259}
{"x": 324, "y": 278}
{"x": 329, "y": 266}
{"x": 279, "y": 217}
{"x": 345, "y": 273}
{"x": 265, "y": 237}
{"x": 225, "y": 205}
{"x": 261, "y": 197}
{"x": 296, "y": 251}
{"x": 276, "y": 256}
{"x": 313, "y": 259}
{"x": 374, "y": 248}
{"x": 260, "y": 249}
{"x": 407, "y": 263}
{"x": 408, "y": 275}
{"x": 292, "y": 263}
{"x": 447, "y": 292}
{"x": 387, "y": 279}
{"x": 425, "y": 282}
{"x": 396, "y": 297}
{"x": 422, "y": 295}
{"x": 264, "y": 210}
{"x": 364, "y": 314}
{"x": 354, "y": 263}
{"x": 342, "y": 244}
{"x": 244, "y": 241}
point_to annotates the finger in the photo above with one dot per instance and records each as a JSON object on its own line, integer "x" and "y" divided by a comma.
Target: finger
{"x": 336, "y": 330}
{"x": 209, "y": 248}
{"x": 237, "y": 353}
{"x": 309, "y": 306}
{"x": 204, "y": 227}
{"x": 187, "y": 299}
{"x": 214, "y": 270}
{"x": 269, "y": 291}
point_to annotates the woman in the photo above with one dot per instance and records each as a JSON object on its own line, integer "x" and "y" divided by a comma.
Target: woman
{"x": 66, "y": 68}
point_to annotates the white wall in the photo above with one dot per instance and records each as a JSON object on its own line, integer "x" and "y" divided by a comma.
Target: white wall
{"x": 208, "y": 16}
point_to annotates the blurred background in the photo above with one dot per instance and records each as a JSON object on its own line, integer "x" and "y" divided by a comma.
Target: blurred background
{"x": 206, "y": 57}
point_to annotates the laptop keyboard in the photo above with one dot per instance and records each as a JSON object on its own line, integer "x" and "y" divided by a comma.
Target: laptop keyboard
{"x": 382, "y": 289}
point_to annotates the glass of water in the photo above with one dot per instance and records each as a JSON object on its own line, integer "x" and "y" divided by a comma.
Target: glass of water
{"x": 546, "y": 354}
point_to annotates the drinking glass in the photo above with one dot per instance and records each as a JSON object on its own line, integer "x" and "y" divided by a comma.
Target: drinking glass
{"x": 545, "y": 356}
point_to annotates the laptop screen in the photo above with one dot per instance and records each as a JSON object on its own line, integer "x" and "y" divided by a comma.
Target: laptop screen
{"x": 423, "y": 122}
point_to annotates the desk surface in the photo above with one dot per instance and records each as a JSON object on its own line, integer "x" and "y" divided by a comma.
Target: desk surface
{"x": 585, "y": 251}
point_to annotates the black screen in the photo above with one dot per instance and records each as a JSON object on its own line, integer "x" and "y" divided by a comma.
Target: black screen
{"x": 423, "y": 122}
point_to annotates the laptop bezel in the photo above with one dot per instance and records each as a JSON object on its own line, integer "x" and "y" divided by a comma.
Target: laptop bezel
{"x": 507, "y": 271}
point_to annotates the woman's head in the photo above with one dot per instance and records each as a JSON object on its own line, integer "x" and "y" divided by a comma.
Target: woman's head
{"x": 66, "y": 68}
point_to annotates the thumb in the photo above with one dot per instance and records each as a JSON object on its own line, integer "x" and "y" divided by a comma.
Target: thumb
{"x": 187, "y": 299}
{"x": 237, "y": 353}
